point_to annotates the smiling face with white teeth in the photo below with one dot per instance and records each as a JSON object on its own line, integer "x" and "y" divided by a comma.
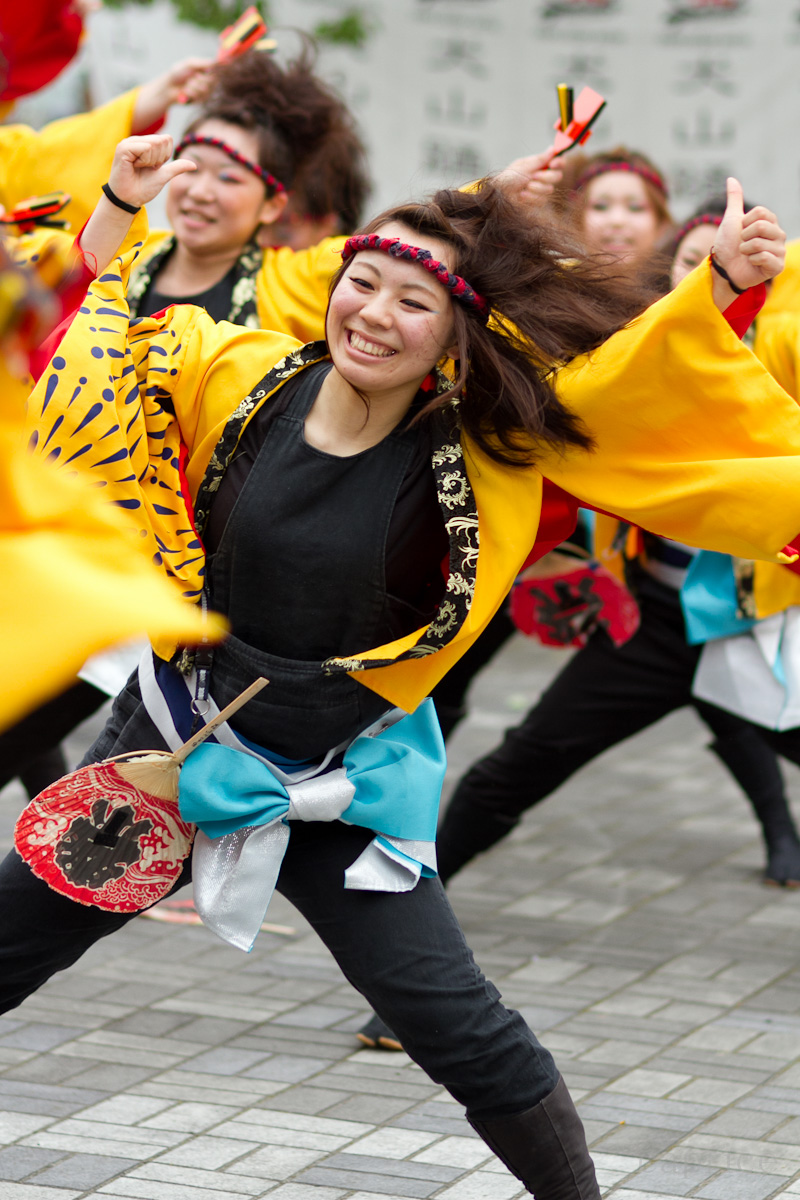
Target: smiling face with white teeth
{"x": 389, "y": 320}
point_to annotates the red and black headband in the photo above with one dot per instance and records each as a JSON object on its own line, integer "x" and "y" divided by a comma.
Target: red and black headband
{"x": 693, "y": 223}
{"x": 200, "y": 139}
{"x": 458, "y": 288}
{"x": 649, "y": 174}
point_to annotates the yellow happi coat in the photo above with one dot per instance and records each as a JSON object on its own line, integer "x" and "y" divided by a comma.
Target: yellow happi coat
{"x": 784, "y": 291}
{"x": 692, "y": 439}
{"x": 74, "y": 581}
{"x": 72, "y": 155}
{"x": 290, "y": 287}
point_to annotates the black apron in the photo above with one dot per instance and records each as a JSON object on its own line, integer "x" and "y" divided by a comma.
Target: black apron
{"x": 300, "y": 573}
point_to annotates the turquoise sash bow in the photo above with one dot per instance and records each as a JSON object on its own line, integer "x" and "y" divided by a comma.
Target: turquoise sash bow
{"x": 397, "y": 775}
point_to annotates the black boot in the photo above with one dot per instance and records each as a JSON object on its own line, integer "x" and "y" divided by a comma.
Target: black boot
{"x": 754, "y": 765}
{"x": 545, "y": 1148}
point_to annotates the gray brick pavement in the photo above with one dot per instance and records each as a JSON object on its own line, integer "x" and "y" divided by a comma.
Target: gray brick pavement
{"x": 625, "y": 919}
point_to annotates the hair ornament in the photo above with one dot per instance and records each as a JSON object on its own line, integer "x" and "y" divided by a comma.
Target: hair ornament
{"x": 200, "y": 139}
{"x": 458, "y": 288}
{"x": 649, "y": 174}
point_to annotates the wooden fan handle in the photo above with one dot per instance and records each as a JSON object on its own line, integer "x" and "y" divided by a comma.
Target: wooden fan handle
{"x": 186, "y": 749}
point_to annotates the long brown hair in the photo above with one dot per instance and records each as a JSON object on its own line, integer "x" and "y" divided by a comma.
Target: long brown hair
{"x": 549, "y": 302}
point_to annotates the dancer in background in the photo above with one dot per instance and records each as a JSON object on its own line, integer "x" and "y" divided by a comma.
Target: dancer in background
{"x": 329, "y": 195}
{"x": 74, "y": 154}
{"x": 619, "y": 205}
{"x": 261, "y": 125}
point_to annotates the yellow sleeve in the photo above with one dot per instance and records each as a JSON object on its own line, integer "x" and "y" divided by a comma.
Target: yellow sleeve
{"x": 784, "y": 291}
{"x": 132, "y": 404}
{"x": 777, "y": 346}
{"x": 293, "y": 287}
{"x": 73, "y": 583}
{"x": 71, "y": 155}
{"x": 693, "y": 438}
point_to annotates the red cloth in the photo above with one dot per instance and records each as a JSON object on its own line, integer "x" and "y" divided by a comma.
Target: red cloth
{"x": 38, "y": 39}
{"x": 71, "y": 294}
{"x": 745, "y": 308}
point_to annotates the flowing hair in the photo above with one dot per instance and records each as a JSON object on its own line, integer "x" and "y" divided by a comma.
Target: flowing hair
{"x": 549, "y": 303}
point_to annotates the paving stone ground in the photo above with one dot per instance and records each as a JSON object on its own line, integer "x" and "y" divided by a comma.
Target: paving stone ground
{"x": 626, "y": 919}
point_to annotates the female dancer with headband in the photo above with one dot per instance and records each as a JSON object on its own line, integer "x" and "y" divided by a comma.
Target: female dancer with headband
{"x": 619, "y": 204}
{"x": 262, "y": 126}
{"x": 329, "y": 482}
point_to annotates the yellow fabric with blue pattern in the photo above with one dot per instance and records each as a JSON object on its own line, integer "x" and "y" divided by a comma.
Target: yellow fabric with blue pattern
{"x": 72, "y": 582}
{"x": 693, "y": 440}
{"x": 777, "y": 345}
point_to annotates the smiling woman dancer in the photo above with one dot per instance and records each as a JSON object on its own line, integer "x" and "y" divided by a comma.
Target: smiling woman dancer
{"x": 329, "y": 482}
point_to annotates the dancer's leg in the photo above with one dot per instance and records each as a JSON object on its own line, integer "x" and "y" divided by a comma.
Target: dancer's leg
{"x": 406, "y": 954}
{"x": 604, "y": 695}
{"x": 42, "y": 770}
{"x": 42, "y": 932}
{"x": 748, "y": 751}
{"x": 450, "y": 696}
{"x": 41, "y": 731}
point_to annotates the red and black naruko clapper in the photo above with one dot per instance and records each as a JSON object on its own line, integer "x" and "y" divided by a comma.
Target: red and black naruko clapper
{"x": 244, "y": 34}
{"x": 249, "y": 32}
{"x": 574, "y": 125}
{"x": 38, "y": 210}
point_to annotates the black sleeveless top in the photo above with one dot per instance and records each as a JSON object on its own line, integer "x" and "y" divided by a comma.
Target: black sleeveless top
{"x": 313, "y": 555}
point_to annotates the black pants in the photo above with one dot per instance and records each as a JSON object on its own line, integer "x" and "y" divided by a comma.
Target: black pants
{"x": 30, "y": 748}
{"x": 450, "y": 695}
{"x": 604, "y": 695}
{"x": 404, "y": 952}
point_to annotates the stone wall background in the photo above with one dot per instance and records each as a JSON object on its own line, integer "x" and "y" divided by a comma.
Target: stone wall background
{"x": 446, "y": 90}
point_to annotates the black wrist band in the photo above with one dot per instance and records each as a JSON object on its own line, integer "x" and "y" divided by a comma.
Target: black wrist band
{"x": 123, "y": 204}
{"x": 724, "y": 274}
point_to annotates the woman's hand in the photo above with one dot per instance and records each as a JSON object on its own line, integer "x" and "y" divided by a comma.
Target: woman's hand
{"x": 751, "y": 246}
{"x": 188, "y": 81}
{"x": 530, "y": 180}
{"x": 142, "y": 166}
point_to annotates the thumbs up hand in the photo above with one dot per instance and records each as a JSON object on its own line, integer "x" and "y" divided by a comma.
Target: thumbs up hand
{"x": 749, "y": 246}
